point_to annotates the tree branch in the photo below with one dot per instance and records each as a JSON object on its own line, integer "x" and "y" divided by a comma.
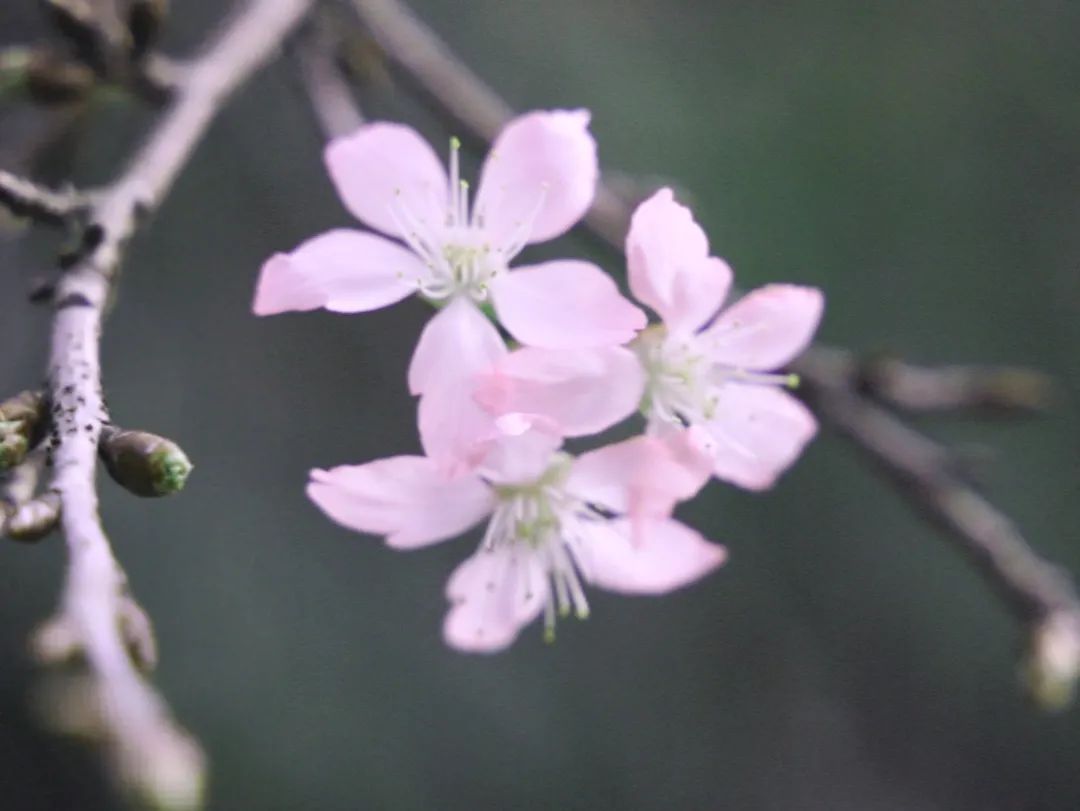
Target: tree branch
{"x": 98, "y": 617}
{"x": 317, "y": 51}
{"x": 52, "y": 207}
{"x": 1039, "y": 594}
{"x": 989, "y": 391}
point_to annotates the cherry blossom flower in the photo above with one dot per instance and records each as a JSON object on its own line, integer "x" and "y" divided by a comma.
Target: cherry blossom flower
{"x": 555, "y": 523}
{"x": 537, "y": 181}
{"x": 715, "y": 371}
{"x": 697, "y": 368}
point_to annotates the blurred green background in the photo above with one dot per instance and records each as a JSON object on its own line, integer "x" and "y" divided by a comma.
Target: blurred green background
{"x": 918, "y": 161}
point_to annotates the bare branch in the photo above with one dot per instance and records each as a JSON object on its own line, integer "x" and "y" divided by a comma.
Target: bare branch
{"x": 992, "y": 391}
{"x": 152, "y": 754}
{"x": 331, "y": 96}
{"x": 27, "y": 199}
{"x": 1040, "y": 595}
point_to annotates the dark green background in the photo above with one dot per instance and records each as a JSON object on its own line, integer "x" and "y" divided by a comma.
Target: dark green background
{"x": 918, "y": 161}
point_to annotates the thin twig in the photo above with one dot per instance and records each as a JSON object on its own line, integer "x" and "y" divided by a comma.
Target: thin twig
{"x": 1039, "y": 594}
{"x": 97, "y": 613}
{"x": 331, "y": 96}
{"x": 49, "y": 206}
{"x": 985, "y": 391}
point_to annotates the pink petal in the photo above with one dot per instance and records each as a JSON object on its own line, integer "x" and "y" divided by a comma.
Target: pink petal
{"x": 540, "y": 177}
{"x": 665, "y": 556}
{"x": 565, "y": 304}
{"x": 644, "y": 476}
{"x": 455, "y": 433}
{"x": 758, "y": 433}
{"x": 669, "y": 267}
{"x": 495, "y": 593}
{"x": 383, "y": 167}
{"x": 344, "y": 271}
{"x": 457, "y": 343}
{"x": 581, "y": 391}
{"x": 767, "y": 328}
{"x": 403, "y": 498}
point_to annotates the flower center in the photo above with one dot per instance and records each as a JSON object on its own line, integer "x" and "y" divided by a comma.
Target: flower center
{"x": 538, "y": 515}
{"x": 683, "y": 384}
{"x": 678, "y": 387}
{"x": 461, "y": 255}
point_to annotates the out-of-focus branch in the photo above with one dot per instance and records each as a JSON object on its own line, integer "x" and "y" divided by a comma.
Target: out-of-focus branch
{"x": 51, "y": 206}
{"x": 990, "y": 391}
{"x": 98, "y": 617}
{"x": 1040, "y": 595}
{"x": 317, "y": 51}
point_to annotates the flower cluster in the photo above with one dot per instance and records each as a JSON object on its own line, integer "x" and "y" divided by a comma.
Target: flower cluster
{"x": 493, "y": 419}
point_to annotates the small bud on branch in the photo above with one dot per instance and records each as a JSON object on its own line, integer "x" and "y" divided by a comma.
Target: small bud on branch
{"x": 1053, "y": 661}
{"x": 35, "y": 519}
{"x": 19, "y": 418}
{"x": 145, "y": 464}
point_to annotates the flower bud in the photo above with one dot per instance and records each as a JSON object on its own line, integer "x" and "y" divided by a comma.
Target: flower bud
{"x": 13, "y": 445}
{"x": 145, "y": 464}
{"x": 1053, "y": 661}
{"x": 19, "y": 419}
{"x": 35, "y": 519}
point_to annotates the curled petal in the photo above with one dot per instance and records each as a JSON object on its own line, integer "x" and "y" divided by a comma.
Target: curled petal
{"x": 664, "y": 555}
{"x": 522, "y": 457}
{"x": 404, "y": 498}
{"x": 494, "y": 594}
{"x": 669, "y": 267}
{"x": 384, "y": 168}
{"x": 457, "y": 343}
{"x": 758, "y": 433}
{"x": 580, "y": 391}
{"x": 766, "y": 328}
{"x": 455, "y": 432}
{"x": 644, "y": 476}
{"x": 565, "y": 304}
{"x": 343, "y": 271}
{"x": 540, "y": 177}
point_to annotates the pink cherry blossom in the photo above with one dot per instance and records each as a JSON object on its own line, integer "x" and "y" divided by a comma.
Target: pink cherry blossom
{"x": 713, "y": 373}
{"x": 537, "y": 181}
{"x": 555, "y": 523}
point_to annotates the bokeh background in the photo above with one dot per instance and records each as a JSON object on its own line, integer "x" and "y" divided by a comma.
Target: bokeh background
{"x": 920, "y": 162}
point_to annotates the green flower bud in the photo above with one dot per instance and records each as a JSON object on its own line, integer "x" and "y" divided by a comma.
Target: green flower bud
{"x": 35, "y": 519}
{"x": 13, "y": 445}
{"x": 19, "y": 419}
{"x": 145, "y": 464}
